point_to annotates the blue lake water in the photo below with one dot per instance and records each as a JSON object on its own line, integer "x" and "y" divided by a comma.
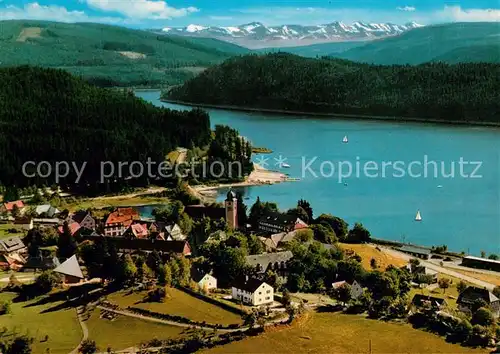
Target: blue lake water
{"x": 463, "y": 213}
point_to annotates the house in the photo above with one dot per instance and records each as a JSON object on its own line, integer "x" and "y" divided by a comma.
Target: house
{"x": 204, "y": 280}
{"x": 46, "y": 222}
{"x": 44, "y": 261}
{"x": 467, "y": 299}
{"x": 26, "y": 223}
{"x": 83, "y": 218}
{"x": 435, "y": 303}
{"x": 46, "y": 211}
{"x": 118, "y": 221}
{"x": 73, "y": 228}
{"x": 277, "y": 222}
{"x": 419, "y": 252}
{"x": 137, "y": 231}
{"x": 7, "y": 208}
{"x": 229, "y": 212}
{"x": 356, "y": 288}
{"x": 12, "y": 245}
{"x": 252, "y": 291}
{"x": 422, "y": 270}
{"x": 13, "y": 261}
{"x": 277, "y": 262}
{"x": 71, "y": 271}
{"x": 482, "y": 263}
{"x": 174, "y": 233}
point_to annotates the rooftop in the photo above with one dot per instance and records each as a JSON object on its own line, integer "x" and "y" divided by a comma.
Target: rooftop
{"x": 486, "y": 260}
{"x": 267, "y": 258}
{"x": 249, "y": 285}
{"x": 70, "y": 267}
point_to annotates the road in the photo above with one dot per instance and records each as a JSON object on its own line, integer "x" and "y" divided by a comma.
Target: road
{"x": 440, "y": 269}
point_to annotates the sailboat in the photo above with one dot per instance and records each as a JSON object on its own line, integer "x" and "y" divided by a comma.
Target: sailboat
{"x": 345, "y": 140}
{"x": 285, "y": 165}
{"x": 418, "y": 217}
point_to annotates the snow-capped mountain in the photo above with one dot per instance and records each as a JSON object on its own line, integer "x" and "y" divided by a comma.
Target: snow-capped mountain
{"x": 254, "y": 33}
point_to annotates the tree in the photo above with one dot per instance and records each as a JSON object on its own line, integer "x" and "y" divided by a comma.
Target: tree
{"x": 373, "y": 263}
{"x": 483, "y": 254}
{"x": 342, "y": 293}
{"x": 358, "y": 234}
{"x": 444, "y": 283}
{"x": 174, "y": 271}
{"x": 307, "y": 207}
{"x": 461, "y": 286}
{"x": 184, "y": 271}
{"x": 165, "y": 275}
{"x": 15, "y": 211}
{"x": 46, "y": 281}
{"x": 20, "y": 345}
{"x": 496, "y": 291}
{"x": 66, "y": 245}
{"x": 127, "y": 271}
{"x": 483, "y": 317}
{"x": 286, "y": 298}
{"x": 493, "y": 257}
{"x": 339, "y": 226}
{"x": 300, "y": 213}
{"x": 242, "y": 211}
{"x": 323, "y": 234}
{"x": 88, "y": 347}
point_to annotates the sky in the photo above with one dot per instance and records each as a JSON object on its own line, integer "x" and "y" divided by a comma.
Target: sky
{"x": 173, "y": 13}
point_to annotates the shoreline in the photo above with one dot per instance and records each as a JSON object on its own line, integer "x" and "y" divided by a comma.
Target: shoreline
{"x": 334, "y": 115}
{"x": 259, "y": 177}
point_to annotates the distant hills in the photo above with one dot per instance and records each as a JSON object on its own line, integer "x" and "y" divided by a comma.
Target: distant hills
{"x": 450, "y": 43}
{"x": 465, "y": 93}
{"x": 110, "y": 55}
{"x": 256, "y": 35}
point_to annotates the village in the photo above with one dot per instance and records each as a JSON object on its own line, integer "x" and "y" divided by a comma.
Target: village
{"x": 204, "y": 275}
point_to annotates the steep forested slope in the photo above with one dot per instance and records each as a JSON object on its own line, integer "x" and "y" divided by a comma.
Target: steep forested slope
{"x": 48, "y": 115}
{"x": 463, "y": 92}
{"x": 109, "y": 55}
{"x": 473, "y": 42}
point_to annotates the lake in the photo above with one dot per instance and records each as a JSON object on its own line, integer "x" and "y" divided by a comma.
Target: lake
{"x": 459, "y": 208}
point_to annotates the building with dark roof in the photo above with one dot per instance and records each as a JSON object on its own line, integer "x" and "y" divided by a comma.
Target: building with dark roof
{"x": 181, "y": 248}
{"x": 277, "y": 262}
{"x": 204, "y": 280}
{"x": 436, "y": 303}
{"x": 41, "y": 262}
{"x": 252, "y": 291}
{"x": 84, "y": 219}
{"x": 13, "y": 244}
{"x": 200, "y": 211}
{"x": 278, "y": 222}
{"x": 482, "y": 263}
{"x": 469, "y": 297}
{"x": 415, "y": 251}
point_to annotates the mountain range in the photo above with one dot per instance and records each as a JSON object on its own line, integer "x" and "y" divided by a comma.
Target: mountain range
{"x": 256, "y": 35}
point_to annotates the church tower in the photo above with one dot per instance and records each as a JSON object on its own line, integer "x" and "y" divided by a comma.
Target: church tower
{"x": 231, "y": 206}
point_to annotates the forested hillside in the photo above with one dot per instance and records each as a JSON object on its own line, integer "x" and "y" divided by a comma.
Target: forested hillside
{"x": 110, "y": 55}
{"x": 449, "y": 43}
{"x": 48, "y": 115}
{"x": 462, "y": 92}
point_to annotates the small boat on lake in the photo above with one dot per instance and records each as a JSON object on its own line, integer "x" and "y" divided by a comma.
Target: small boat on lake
{"x": 345, "y": 140}
{"x": 285, "y": 165}
{"x": 418, "y": 217}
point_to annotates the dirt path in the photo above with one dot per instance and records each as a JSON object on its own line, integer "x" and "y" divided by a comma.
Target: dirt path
{"x": 79, "y": 311}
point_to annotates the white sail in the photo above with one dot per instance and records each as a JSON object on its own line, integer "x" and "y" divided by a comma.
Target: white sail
{"x": 345, "y": 140}
{"x": 418, "y": 217}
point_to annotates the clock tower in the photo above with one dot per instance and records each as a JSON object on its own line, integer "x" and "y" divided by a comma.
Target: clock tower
{"x": 231, "y": 206}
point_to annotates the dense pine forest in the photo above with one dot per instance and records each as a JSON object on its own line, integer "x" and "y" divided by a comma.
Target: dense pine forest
{"x": 462, "y": 92}
{"x": 49, "y": 115}
{"x": 109, "y": 55}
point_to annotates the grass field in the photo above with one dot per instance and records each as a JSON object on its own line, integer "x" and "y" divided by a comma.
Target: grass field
{"x": 5, "y": 234}
{"x": 339, "y": 333}
{"x": 451, "y": 294}
{"x": 106, "y": 202}
{"x": 490, "y": 278}
{"x": 179, "y": 303}
{"x": 61, "y": 326}
{"x": 367, "y": 252}
{"x": 124, "y": 332}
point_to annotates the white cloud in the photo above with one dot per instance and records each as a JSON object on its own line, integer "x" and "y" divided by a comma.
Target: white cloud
{"x": 406, "y": 8}
{"x": 35, "y": 11}
{"x": 142, "y": 9}
{"x": 457, "y": 14}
